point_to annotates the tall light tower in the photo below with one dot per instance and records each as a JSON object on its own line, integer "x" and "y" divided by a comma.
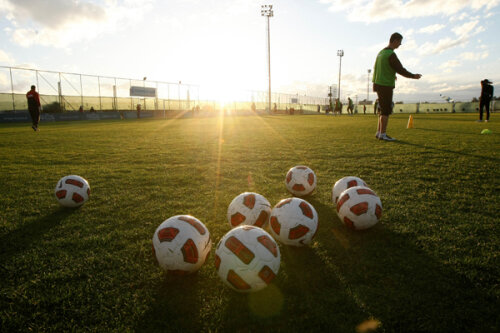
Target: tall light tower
{"x": 340, "y": 53}
{"x": 267, "y": 11}
{"x": 368, "y": 85}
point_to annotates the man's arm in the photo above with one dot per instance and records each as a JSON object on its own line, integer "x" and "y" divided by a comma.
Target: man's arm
{"x": 398, "y": 67}
{"x": 37, "y": 99}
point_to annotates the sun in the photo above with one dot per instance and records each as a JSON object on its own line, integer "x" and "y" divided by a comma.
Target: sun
{"x": 224, "y": 94}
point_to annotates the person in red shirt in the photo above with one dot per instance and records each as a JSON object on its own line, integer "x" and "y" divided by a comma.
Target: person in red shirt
{"x": 34, "y": 107}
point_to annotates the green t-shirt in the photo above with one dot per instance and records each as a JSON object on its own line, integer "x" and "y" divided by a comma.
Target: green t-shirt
{"x": 383, "y": 73}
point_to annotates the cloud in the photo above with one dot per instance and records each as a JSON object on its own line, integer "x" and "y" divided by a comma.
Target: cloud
{"x": 55, "y": 13}
{"x": 460, "y": 17}
{"x": 61, "y": 23}
{"x": 455, "y": 88}
{"x": 474, "y": 56}
{"x": 382, "y": 10}
{"x": 441, "y": 46}
{"x": 5, "y": 58}
{"x": 449, "y": 65}
{"x": 463, "y": 32}
{"x": 430, "y": 29}
{"x": 465, "y": 29}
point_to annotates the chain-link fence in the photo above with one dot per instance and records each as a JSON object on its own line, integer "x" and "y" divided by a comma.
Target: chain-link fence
{"x": 67, "y": 92}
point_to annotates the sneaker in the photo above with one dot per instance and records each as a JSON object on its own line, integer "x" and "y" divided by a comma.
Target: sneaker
{"x": 386, "y": 137}
{"x": 377, "y": 136}
{"x": 34, "y": 128}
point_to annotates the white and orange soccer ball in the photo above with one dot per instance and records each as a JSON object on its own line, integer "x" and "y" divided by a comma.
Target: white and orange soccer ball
{"x": 300, "y": 180}
{"x": 249, "y": 208}
{"x": 72, "y": 191}
{"x": 181, "y": 244}
{"x": 343, "y": 184}
{"x": 294, "y": 221}
{"x": 359, "y": 208}
{"x": 247, "y": 259}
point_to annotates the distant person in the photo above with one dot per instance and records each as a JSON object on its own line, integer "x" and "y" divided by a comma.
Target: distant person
{"x": 350, "y": 106}
{"x": 275, "y": 108}
{"x": 253, "y": 107}
{"x": 485, "y": 99}
{"x": 34, "y": 107}
{"x": 338, "y": 107}
{"x": 386, "y": 66}
{"x": 138, "y": 111}
{"x": 92, "y": 109}
{"x": 318, "y": 108}
{"x": 80, "y": 109}
{"x": 364, "y": 108}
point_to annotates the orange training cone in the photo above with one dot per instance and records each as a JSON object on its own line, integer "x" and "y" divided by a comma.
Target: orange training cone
{"x": 410, "y": 122}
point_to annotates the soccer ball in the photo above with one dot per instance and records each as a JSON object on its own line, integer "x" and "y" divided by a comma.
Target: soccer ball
{"x": 343, "y": 184}
{"x": 300, "y": 181}
{"x": 181, "y": 244}
{"x": 247, "y": 258}
{"x": 249, "y": 208}
{"x": 359, "y": 208}
{"x": 294, "y": 222}
{"x": 72, "y": 191}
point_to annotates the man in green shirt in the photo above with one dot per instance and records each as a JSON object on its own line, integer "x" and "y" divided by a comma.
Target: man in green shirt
{"x": 350, "y": 106}
{"x": 386, "y": 66}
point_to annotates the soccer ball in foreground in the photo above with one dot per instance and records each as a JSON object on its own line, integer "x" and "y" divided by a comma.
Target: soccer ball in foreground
{"x": 72, "y": 191}
{"x": 247, "y": 259}
{"x": 343, "y": 184}
{"x": 181, "y": 244}
{"x": 248, "y": 209}
{"x": 359, "y": 208}
{"x": 300, "y": 181}
{"x": 294, "y": 221}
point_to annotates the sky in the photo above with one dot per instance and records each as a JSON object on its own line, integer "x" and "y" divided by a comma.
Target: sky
{"x": 222, "y": 44}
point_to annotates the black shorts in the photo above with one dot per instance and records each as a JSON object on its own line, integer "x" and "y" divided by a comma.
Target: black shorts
{"x": 384, "y": 94}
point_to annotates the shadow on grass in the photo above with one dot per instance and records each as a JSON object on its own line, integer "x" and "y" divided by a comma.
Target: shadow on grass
{"x": 303, "y": 297}
{"x": 400, "y": 285}
{"x": 175, "y": 306}
{"x": 458, "y": 117}
{"x": 461, "y": 133}
{"x": 402, "y": 142}
{"x": 344, "y": 281}
{"x": 19, "y": 240}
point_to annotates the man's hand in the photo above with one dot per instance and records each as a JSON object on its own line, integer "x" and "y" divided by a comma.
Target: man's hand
{"x": 417, "y": 76}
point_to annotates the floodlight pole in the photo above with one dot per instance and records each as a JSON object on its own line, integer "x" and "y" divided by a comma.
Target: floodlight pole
{"x": 368, "y": 85}
{"x": 267, "y": 11}
{"x": 340, "y": 53}
{"x": 144, "y": 86}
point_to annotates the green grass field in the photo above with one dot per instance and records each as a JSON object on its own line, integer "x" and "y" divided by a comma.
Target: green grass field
{"x": 431, "y": 265}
